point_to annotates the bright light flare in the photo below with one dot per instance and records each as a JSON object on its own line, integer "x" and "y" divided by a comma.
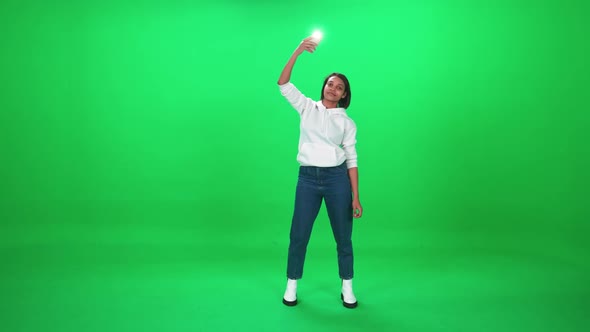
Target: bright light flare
{"x": 317, "y": 36}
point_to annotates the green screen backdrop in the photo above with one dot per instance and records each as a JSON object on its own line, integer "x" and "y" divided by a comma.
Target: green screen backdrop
{"x": 148, "y": 165}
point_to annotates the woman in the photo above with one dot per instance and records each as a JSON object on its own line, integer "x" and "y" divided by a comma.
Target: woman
{"x": 328, "y": 171}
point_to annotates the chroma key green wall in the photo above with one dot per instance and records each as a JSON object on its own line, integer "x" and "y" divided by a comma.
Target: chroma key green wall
{"x": 148, "y": 165}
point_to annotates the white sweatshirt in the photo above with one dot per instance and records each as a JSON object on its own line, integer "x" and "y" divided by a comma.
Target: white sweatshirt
{"x": 327, "y": 136}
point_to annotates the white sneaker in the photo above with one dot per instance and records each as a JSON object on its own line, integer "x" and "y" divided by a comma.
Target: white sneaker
{"x": 290, "y": 297}
{"x": 347, "y": 296}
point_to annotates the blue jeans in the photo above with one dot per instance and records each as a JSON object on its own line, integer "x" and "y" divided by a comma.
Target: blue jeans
{"x": 331, "y": 184}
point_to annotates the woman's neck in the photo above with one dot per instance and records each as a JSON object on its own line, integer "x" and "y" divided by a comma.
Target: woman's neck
{"x": 329, "y": 104}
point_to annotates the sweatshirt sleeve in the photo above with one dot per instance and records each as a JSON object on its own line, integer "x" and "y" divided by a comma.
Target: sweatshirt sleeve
{"x": 296, "y": 98}
{"x": 349, "y": 145}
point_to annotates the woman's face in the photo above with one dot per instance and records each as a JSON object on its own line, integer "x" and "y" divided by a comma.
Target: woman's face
{"x": 334, "y": 89}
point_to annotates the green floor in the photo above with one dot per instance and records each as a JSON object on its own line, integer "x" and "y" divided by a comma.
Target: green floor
{"x": 150, "y": 267}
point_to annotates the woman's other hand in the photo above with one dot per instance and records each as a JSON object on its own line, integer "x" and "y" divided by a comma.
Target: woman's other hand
{"x": 357, "y": 209}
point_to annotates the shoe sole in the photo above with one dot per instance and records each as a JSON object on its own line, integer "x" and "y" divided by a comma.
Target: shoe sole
{"x": 289, "y": 303}
{"x": 348, "y": 305}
